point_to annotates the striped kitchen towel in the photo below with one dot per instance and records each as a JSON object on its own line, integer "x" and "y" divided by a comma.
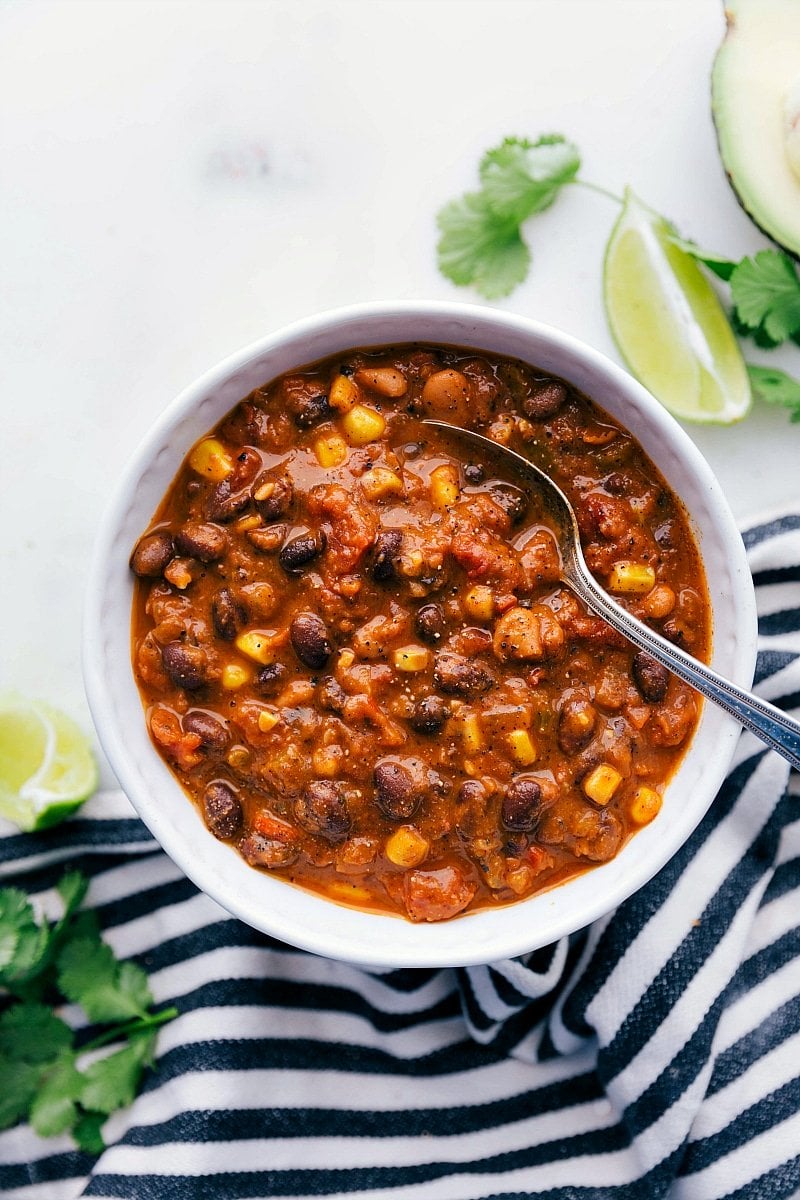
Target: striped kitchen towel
{"x": 655, "y": 1054}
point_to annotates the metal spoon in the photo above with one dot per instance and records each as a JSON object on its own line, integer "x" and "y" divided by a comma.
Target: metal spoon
{"x": 766, "y": 721}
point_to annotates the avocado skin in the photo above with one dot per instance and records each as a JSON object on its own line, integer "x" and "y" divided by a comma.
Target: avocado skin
{"x": 760, "y": 219}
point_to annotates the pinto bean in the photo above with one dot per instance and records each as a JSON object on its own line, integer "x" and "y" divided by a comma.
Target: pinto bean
{"x": 650, "y": 677}
{"x": 331, "y": 695}
{"x": 386, "y": 550}
{"x": 225, "y": 500}
{"x": 210, "y": 730}
{"x": 545, "y": 399}
{"x": 447, "y": 396}
{"x": 576, "y": 724}
{"x": 227, "y": 614}
{"x": 384, "y": 381}
{"x": 430, "y": 623}
{"x": 395, "y": 791}
{"x": 458, "y": 676}
{"x": 521, "y": 804}
{"x": 222, "y": 809}
{"x": 273, "y": 496}
{"x": 186, "y": 665}
{"x": 429, "y": 715}
{"x": 151, "y": 554}
{"x": 321, "y": 809}
{"x": 261, "y": 851}
{"x": 201, "y": 540}
{"x": 267, "y": 540}
{"x": 310, "y": 641}
{"x": 300, "y": 551}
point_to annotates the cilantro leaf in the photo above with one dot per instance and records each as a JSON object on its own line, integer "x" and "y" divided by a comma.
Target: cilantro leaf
{"x": 766, "y": 293}
{"x": 23, "y": 942}
{"x": 18, "y": 1085}
{"x": 89, "y": 974}
{"x": 87, "y": 1132}
{"x": 54, "y": 1108}
{"x": 520, "y": 177}
{"x": 477, "y": 247}
{"x": 112, "y": 1082}
{"x": 32, "y": 1033}
{"x": 776, "y": 387}
{"x": 72, "y": 888}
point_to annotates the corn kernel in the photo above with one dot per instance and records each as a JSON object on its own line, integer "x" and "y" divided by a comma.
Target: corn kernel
{"x": 362, "y": 425}
{"x": 267, "y": 720}
{"x": 235, "y": 675}
{"x": 601, "y": 783}
{"x": 645, "y": 804}
{"x": 631, "y": 578}
{"x": 331, "y": 451}
{"x": 210, "y": 458}
{"x": 411, "y": 658}
{"x": 251, "y": 522}
{"x": 258, "y": 646}
{"x": 444, "y": 486}
{"x": 522, "y": 748}
{"x": 380, "y": 481}
{"x": 346, "y": 659}
{"x": 343, "y": 394}
{"x": 472, "y": 734}
{"x": 349, "y": 893}
{"x": 479, "y": 603}
{"x": 406, "y": 847}
{"x": 520, "y": 879}
{"x": 327, "y": 761}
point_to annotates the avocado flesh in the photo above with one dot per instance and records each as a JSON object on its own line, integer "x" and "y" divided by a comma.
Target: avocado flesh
{"x": 755, "y": 87}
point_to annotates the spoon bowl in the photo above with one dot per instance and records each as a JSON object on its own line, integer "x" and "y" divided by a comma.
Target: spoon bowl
{"x": 774, "y": 727}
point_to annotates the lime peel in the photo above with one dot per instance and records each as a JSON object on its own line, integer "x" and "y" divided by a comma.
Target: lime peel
{"x": 668, "y": 322}
{"x": 46, "y": 765}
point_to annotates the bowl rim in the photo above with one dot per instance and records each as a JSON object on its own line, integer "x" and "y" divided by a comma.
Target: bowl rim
{"x": 344, "y": 932}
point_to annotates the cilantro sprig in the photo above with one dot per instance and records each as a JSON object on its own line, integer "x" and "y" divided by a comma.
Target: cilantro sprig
{"x": 481, "y": 244}
{"x": 47, "y": 1075}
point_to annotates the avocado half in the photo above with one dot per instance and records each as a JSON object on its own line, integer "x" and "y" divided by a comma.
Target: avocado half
{"x": 755, "y": 92}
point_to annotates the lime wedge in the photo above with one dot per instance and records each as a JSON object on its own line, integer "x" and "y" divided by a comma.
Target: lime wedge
{"x": 46, "y": 766}
{"x": 668, "y": 322}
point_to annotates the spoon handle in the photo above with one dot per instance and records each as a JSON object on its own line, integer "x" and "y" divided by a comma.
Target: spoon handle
{"x": 767, "y": 722}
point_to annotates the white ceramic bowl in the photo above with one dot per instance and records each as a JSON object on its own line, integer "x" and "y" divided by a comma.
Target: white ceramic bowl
{"x": 298, "y": 916}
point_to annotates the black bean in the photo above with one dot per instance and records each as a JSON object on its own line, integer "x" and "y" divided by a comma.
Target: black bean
{"x": 311, "y": 410}
{"x": 429, "y": 715}
{"x": 322, "y": 810}
{"x": 512, "y": 500}
{"x": 222, "y": 809}
{"x": 310, "y": 641}
{"x": 300, "y": 551}
{"x": 227, "y": 614}
{"x": 331, "y": 695}
{"x": 471, "y": 792}
{"x": 521, "y": 806}
{"x": 261, "y": 851}
{"x": 273, "y": 496}
{"x": 459, "y": 676}
{"x": 545, "y": 399}
{"x": 203, "y": 541}
{"x": 430, "y": 623}
{"x": 667, "y": 535}
{"x": 616, "y": 484}
{"x": 386, "y": 549}
{"x": 225, "y": 500}
{"x": 270, "y": 679}
{"x": 187, "y": 666}
{"x": 395, "y": 793}
{"x": 474, "y": 473}
{"x": 650, "y": 677}
{"x": 675, "y": 632}
{"x": 151, "y": 554}
{"x": 576, "y": 723}
{"x": 208, "y": 728}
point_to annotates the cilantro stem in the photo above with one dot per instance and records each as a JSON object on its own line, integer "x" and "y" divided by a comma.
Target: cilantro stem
{"x": 137, "y": 1025}
{"x": 601, "y": 191}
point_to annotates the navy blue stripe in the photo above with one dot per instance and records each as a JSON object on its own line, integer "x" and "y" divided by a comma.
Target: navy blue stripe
{"x": 777, "y": 1026}
{"x": 777, "y": 575}
{"x": 78, "y": 835}
{"x": 778, "y": 1184}
{"x": 769, "y": 662}
{"x": 778, "y": 1106}
{"x": 760, "y": 533}
{"x": 785, "y": 879}
{"x": 786, "y": 621}
{"x": 231, "y": 1125}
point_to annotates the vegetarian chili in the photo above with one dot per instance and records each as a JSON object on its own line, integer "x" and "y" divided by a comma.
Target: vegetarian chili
{"x": 355, "y": 654}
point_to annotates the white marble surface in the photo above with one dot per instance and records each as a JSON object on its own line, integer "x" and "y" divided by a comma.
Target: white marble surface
{"x": 181, "y": 176}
